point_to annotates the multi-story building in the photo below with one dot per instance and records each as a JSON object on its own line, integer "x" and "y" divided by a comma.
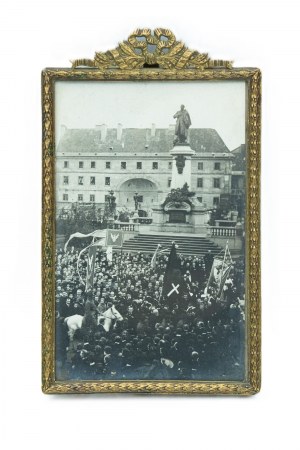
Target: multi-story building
{"x": 91, "y": 162}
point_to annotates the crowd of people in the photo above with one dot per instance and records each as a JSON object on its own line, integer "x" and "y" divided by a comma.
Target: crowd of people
{"x": 193, "y": 335}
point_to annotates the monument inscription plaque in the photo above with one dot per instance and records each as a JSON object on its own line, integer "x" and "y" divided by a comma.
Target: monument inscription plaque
{"x": 177, "y": 216}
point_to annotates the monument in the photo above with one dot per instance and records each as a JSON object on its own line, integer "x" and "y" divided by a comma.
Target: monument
{"x": 181, "y": 211}
{"x": 181, "y": 152}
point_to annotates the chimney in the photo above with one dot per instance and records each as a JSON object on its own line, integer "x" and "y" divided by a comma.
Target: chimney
{"x": 103, "y": 128}
{"x": 63, "y": 129}
{"x": 153, "y": 130}
{"x": 119, "y": 132}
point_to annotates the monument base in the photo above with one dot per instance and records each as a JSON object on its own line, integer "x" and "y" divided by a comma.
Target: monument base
{"x": 164, "y": 219}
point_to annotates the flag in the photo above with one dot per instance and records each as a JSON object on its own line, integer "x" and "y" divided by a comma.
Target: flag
{"x": 94, "y": 234}
{"x": 223, "y": 279}
{"x": 219, "y": 272}
{"x": 99, "y": 243}
{"x": 158, "y": 251}
{"x": 114, "y": 238}
{"x": 172, "y": 285}
{"x": 90, "y": 268}
{"x": 109, "y": 253}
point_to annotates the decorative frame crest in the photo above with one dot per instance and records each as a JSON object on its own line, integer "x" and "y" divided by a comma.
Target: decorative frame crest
{"x": 146, "y": 48}
{"x": 157, "y": 55}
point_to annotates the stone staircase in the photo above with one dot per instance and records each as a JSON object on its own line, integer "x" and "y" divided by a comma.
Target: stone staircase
{"x": 187, "y": 245}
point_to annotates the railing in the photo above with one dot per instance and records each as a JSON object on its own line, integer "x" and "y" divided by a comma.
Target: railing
{"x": 221, "y": 231}
{"x": 145, "y": 220}
{"x": 125, "y": 226}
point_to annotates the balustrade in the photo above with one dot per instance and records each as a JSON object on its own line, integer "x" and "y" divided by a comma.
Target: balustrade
{"x": 221, "y": 231}
{"x": 124, "y": 226}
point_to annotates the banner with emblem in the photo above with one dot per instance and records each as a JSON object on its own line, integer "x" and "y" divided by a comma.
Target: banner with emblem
{"x": 114, "y": 238}
{"x": 219, "y": 272}
{"x": 172, "y": 286}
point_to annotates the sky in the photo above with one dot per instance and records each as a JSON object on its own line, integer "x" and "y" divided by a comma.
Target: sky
{"x": 137, "y": 104}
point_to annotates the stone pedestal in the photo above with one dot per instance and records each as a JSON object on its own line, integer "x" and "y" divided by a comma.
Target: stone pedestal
{"x": 184, "y": 216}
{"x": 195, "y": 221}
{"x": 184, "y": 152}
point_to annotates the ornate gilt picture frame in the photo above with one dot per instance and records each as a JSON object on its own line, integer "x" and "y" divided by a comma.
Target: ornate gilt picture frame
{"x": 151, "y": 222}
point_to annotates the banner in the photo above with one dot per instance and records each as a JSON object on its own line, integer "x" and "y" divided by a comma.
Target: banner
{"x": 219, "y": 272}
{"x": 172, "y": 286}
{"x": 114, "y": 238}
{"x": 94, "y": 234}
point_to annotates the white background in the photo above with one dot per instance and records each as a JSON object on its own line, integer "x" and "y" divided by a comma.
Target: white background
{"x": 36, "y": 34}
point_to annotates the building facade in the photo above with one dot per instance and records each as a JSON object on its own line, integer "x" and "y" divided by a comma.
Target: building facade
{"x": 92, "y": 162}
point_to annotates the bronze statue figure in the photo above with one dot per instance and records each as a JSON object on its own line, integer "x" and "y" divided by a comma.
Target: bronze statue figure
{"x": 182, "y": 125}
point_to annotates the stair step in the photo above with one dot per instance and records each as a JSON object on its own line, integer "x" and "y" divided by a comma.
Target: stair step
{"x": 187, "y": 245}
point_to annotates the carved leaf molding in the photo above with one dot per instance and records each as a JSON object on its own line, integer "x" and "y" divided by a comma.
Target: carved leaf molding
{"x": 147, "y": 48}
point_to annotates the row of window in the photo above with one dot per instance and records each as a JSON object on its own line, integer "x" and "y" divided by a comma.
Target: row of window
{"x": 216, "y": 181}
{"x": 139, "y": 165}
{"x": 81, "y": 181}
{"x": 216, "y": 200}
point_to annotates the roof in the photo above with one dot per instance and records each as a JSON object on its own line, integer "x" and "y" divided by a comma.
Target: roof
{"x": 202, "y": 140}
{"x": 239, "y": 162}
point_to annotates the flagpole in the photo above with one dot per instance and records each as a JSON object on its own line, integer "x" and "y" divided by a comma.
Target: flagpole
{"x": 120, "y": 260}
{"x": 226, "y": 249}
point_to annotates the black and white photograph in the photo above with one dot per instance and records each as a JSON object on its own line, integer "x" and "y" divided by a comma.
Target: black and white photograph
{"x": 150, "y": 201}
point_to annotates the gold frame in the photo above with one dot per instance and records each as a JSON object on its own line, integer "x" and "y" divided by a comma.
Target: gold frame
{"x": 177, "y": 63}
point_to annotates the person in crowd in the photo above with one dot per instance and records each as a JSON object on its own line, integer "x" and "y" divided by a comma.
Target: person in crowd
{"x": 198, "y": 336}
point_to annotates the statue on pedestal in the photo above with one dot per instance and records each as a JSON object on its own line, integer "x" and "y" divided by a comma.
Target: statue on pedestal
{"x": 111, "y": 204}
{"x": 136, "y": 201}
{"x": 183, "y": 123}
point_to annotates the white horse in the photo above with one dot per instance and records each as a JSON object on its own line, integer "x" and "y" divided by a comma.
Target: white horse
{"x": 73, "y": 323}
{"x": 110, "y": 315}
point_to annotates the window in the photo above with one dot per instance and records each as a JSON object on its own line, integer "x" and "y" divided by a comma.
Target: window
{"x": 107, "y": 181}
{"x": 217, "y": 166}
{"x": 80, "y": 180}
{"x": 80, "y": 197}
{"x": 200, "y": 165}
{"x": 140, "y": 198}
{"x": 200, "y": 199}
{"x": 93, "y": 180}
{"x": 216, "y": 201}
{"x": 93, "y": 164}
{"x": 170, "y": 164}
{"x": 169, "y": 182}
{"x": 199, "y": 182}
{"x": 139, "y": 165}
{"x": 155, "y": 165}
{"x": 66, "y": 180}
{"x": 80, "y": 164}
{"x": 66, "y": 164}
{"x": 65, "y": 197}
{"x": 217, "y": 183}
{"x": 123, "y": 165}
{"x": 107, "y": 165}
{"x": 92, "y": 198}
